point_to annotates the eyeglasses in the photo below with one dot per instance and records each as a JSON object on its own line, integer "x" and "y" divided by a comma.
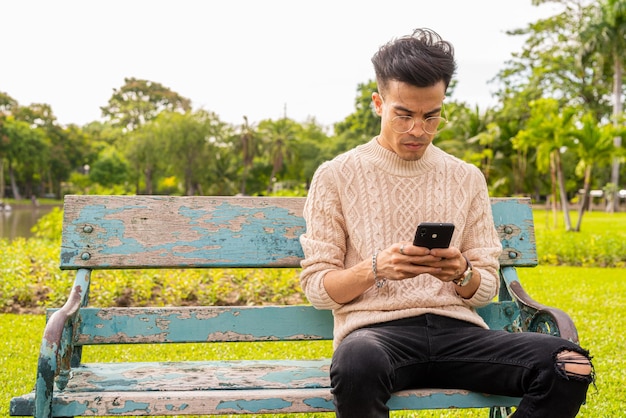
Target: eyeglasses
{"x": 431, "y": 125}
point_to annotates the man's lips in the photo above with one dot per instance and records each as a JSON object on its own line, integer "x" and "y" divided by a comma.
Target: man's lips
{"x": 413, "y": 145}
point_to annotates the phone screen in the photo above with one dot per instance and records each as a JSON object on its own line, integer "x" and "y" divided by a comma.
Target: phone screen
{"x": 433, "y": 235}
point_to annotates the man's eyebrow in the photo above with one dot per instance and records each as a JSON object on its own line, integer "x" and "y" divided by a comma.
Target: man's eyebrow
{"x": 404, "y": 109}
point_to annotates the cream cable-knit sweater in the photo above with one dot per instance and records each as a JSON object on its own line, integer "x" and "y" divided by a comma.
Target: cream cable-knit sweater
{"x": 367, "y": 199}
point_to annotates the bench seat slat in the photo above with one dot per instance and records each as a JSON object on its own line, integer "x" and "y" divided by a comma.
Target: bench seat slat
{"x": 256, "y": 401}
{"x": 200, "y": 375}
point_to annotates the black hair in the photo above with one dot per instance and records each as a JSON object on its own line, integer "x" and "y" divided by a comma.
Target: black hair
{"x": 421, "y": 59}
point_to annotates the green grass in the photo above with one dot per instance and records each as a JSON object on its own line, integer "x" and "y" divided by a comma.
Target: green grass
{"x": 594, "y": 298}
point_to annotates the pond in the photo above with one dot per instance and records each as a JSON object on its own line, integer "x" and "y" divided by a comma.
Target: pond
{"x": 18, "y": 221}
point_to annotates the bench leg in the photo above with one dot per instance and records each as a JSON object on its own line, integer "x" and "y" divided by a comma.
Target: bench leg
{"x": 500, "y": 412}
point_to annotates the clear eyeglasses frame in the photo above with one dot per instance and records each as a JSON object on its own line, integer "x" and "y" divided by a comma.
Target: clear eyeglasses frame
{"x": 431, "y": 125}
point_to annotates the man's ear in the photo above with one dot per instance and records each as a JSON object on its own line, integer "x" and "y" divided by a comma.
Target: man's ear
{"x": 377, "y": 100}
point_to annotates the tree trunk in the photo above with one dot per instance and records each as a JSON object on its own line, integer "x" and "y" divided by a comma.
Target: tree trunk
{"x": 562, "y": 191}
{"x": 613, "y": 204}
{"x": 148, "y": 176}
{"x": 14, "y": 188}
{"x": 1, "y": 179}
{"x": 585, "y": 199}
{"x": 553, "y": 187}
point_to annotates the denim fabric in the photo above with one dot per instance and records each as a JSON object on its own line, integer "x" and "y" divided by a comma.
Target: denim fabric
{"x": 431, "y": 351}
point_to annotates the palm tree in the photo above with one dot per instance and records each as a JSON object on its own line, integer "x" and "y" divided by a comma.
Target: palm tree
{"x": 593, "y": 146}
{"x": 249, "y": 149}
{"x": 278, "y": 138}
{"x": 548, "y": 131}
{"x": 606, "y": 38}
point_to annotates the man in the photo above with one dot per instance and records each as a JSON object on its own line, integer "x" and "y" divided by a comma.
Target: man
{"x": 404, "y": 315}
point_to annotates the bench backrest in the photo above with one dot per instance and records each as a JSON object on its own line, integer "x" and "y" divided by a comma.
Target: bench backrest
{"x": 119, "y": 232}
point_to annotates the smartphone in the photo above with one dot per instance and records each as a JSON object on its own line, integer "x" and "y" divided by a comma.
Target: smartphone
{"x": 433, "y": 235}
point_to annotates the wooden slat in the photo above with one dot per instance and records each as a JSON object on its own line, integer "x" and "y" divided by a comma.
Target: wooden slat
{"x": 200, "y": 375}
{"x": 103, "y": 232}
{"x": 140, "y": 325}
{"x": 221, "y": 402}
{"x": 203, "y": 324}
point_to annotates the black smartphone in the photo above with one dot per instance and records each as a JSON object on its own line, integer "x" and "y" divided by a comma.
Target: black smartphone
{"x": 433, "y": 235}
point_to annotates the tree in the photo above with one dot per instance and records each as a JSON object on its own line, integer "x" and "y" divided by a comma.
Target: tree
{"x": 593, "y": 145}
{"x": 7, "y": 103}
{"x": 192, "y": 143}
{"x": 145, "y": 149}
{"x": 548, "y": 131}
{"x": 279, "y": 139}
{"x": 26, "y": 151}
{"x": 360, "y": 126}
{"x": 605, "y": 40}
{"x": 555, "y": 63}
{"x": 139, "y": 101}
{"x": 109, "y": 169}
{"x": 249, "y": 147}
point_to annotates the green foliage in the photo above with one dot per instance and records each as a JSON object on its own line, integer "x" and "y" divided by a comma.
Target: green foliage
{"x": 139, "y": 101}
{"x": 30, "y": 275}
{"x": 110, "y": 168}
{"x": 601, "y": 243}
{"x": 50, "y": 226}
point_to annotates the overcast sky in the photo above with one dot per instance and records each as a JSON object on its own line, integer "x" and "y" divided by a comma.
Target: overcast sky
{"x": 259, "y": 58}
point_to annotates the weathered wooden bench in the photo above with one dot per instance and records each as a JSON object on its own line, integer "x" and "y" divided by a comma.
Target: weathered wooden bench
{"x": 139, "y": 232}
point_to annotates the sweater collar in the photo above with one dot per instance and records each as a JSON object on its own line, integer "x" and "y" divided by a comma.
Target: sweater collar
{"x": 389, "y": 161}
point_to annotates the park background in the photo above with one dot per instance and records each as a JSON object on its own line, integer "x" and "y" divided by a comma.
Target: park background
{"x": 554, "y": 134}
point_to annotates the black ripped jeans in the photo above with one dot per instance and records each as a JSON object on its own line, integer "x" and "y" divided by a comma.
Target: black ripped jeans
{"x": 431, "y": 351}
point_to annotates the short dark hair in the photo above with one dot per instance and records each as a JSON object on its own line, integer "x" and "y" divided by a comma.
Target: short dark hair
{"x": 421, "y": 59}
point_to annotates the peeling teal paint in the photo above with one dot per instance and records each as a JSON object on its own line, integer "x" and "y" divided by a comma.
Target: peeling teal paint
{"x": 230, "y": 235}
{"x": 254, "y": 406}
{"x": 320, "y": 403}
{"x": 181, "y": 407}
{"x": 131, "y": 406}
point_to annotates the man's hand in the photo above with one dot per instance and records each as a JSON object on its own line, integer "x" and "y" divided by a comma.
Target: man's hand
{"x": 404, "y": 260}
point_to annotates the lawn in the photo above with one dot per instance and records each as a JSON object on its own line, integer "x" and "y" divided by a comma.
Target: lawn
{"x": 594, "y": 297}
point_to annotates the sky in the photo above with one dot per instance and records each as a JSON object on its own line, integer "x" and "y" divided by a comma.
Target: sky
{"x": 264, "y": 59}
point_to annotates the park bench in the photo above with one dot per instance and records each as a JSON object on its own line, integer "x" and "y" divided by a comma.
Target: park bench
{"x": 146, "y": 232}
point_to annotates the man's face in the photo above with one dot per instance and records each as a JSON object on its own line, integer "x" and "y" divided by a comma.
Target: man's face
{"x": 401, "y": 99}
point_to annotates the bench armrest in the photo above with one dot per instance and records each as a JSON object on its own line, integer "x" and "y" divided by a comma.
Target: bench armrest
{"x": 57, "y": 351}
{"x": 536, "y": 317}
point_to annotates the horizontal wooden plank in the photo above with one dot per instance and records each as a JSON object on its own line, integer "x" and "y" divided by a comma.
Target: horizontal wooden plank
{"x": 200, "y": 375}
{"x": 222, "y": 402}
{"x": 104, "y": 232}
{"x": 141, "y": 325}
{"x": 167, "y": 231}
{"x": 203, "y": 324}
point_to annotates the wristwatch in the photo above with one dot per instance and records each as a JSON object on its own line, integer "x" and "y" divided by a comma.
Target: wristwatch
{"x": 465, "y": 278}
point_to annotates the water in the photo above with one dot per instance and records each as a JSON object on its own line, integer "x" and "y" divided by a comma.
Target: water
{"x": 19, "y": 220}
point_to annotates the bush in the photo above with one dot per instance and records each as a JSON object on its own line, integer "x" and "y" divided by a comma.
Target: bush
{"x": 600, "y": 243}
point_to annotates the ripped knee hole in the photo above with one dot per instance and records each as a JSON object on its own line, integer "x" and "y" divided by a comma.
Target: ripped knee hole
{"x": 574, "y": 364}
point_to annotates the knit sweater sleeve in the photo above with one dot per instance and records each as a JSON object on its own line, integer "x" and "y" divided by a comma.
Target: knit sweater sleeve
{"x": 324, "y": 242}
{"x": 480, "y": 242}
